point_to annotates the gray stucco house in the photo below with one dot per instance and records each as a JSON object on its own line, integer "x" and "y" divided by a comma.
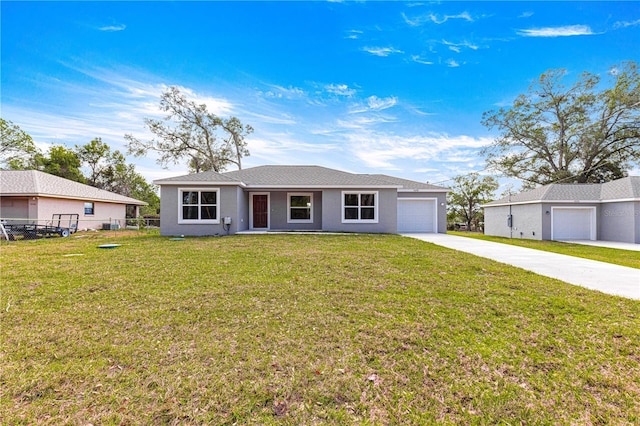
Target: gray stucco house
{"x": 608, "y": 211}
{"x": 300, "y": 198}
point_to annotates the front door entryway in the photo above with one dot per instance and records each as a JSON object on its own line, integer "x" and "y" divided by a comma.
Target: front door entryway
{"x": 260, "y": 210}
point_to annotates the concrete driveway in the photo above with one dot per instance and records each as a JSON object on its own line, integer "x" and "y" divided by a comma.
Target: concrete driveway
{"x": 608, "y": 244}
{"x": 594, "y": 275}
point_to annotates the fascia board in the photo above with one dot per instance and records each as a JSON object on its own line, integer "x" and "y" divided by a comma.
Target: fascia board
{"x": 424, "y": 190}
{"x": 620, "y": 200}
{"x": 266, "y": 187}
{"x": 517, "y": 203}
{"x": 71, "y": 197}
{"x": 197, "y": 183}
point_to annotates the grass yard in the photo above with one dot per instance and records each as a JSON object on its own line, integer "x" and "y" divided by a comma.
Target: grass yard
{"x": 628, "y": 258}
{"x": 303, "y": 329}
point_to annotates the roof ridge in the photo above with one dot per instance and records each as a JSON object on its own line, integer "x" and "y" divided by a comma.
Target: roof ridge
{"x": 36, "y": 179}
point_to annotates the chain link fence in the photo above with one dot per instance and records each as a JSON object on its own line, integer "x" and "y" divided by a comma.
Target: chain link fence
{"x": 16, "y": 229}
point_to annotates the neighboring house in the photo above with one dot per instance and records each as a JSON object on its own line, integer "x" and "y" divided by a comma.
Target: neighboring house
{"x": 607, "y": 211}
{"x": 310, "y": 198}
{"x": 32, "y": 197}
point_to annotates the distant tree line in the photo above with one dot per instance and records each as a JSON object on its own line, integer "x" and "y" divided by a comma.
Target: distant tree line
{"x": 107, "y": 169}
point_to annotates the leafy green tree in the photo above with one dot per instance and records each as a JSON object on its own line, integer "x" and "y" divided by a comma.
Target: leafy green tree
{"x": 97, "y": 156}
{"x": 123, "y": 179}
{"x": 468, "y": 193}
{"x": 109, "y": 171}
{"x": 62, "y": 162}
{"x": 586, "y": 132}
{"x": 17, "y": 149}
{"x": 190, "y": 132}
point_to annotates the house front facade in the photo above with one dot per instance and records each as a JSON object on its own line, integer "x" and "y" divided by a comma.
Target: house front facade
{"x": 298, "y": 198}
{"x": 33, "y": 197}
{"x": 609, "y": 212}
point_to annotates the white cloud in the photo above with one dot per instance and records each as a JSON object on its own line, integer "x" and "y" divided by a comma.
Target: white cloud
{"x": 286, "y": 119}
{"x": 419, "y": 60}
{"x": 353, "y": 34}
{"x": 565, "y": 31}
{"x": 381, "y": 51}
{"x": 361, "y": 122}
{"x": 373, "y": 103}
{"x": 625, "y": 24}
{"x": 283, "y": 148}
{"x": 113, "y": 28}
{"x": 452, "y": 63}
{"x": 381, "y": 150}
{"x": 378, "y": 104}
{"x": 218, "y": 106}
{"x": 526, "y": 15}
{"x": 457, "y": 47}
{"x": 340, "y": 89}
{"x": 280, "y": 92}
{"x": 435, "y": 19}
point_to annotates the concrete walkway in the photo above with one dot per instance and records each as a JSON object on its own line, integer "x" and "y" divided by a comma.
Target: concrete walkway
{"x": 594, "y": 275}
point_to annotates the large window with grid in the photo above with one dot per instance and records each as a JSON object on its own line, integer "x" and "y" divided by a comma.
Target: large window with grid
{"x": 199, "y": 205}
{"x": 360, "y": 207}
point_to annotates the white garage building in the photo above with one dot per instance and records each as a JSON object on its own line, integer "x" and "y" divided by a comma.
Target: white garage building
{"x": 608, "y": 211}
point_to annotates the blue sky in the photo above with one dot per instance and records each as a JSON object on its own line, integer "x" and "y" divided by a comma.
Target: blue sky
{"x": 367, "y": 87}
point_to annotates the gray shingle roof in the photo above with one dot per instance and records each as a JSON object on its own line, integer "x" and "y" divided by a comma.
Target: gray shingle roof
{"x": 621, "y": 189}
{"x": 203, "y": 177}
{"x": 309, "y": 176}
{"x": 297, "y": 177}
{"x": 412, "y": 184}
{"x": 34, "y": 183}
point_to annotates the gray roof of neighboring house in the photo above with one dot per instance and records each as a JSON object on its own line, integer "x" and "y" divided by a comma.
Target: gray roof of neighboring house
{"x": 627, "y": 188}
{"x": 297, "y": 177}
{"x": 34, "y": 183}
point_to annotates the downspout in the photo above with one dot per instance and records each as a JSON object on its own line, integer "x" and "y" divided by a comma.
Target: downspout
{"x": 510, "y": 218}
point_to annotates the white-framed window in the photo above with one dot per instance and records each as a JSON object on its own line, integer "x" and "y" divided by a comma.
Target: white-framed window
{"x": 299, "y": 207}
{"x": 360, "y": 207}
{"x": 89, "y": 209}
{"x": 199, "y": 205}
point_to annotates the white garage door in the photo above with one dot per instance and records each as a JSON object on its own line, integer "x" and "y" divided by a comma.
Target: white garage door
{"x": 415, "y": 215}
{"x": 573, "y": 223}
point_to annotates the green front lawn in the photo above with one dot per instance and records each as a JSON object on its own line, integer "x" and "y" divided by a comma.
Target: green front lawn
{"x": 303, "y": 329}
{"x": 628, "y": 258}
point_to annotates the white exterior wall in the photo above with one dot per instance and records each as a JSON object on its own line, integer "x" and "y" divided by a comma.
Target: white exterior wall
{"x": 620, "y": 222}
{"x": 495, "y": 221}
{"x": 526, "y": 221}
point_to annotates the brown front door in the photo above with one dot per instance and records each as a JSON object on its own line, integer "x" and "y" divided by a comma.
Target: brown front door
{"x": 260, "y": 211}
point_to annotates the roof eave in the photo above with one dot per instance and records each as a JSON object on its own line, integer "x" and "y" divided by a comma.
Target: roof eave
{"x": 424, "y": 190}
{"x": 515, "y": 203}
{"x": 256, "y": 186}
{"x": 196, "y": 182}
{"x": 71, "y": 197}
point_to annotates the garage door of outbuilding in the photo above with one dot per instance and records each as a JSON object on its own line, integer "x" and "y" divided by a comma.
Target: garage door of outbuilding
{"x": 573, "y": 223}
{"x": 417, "y": 215}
